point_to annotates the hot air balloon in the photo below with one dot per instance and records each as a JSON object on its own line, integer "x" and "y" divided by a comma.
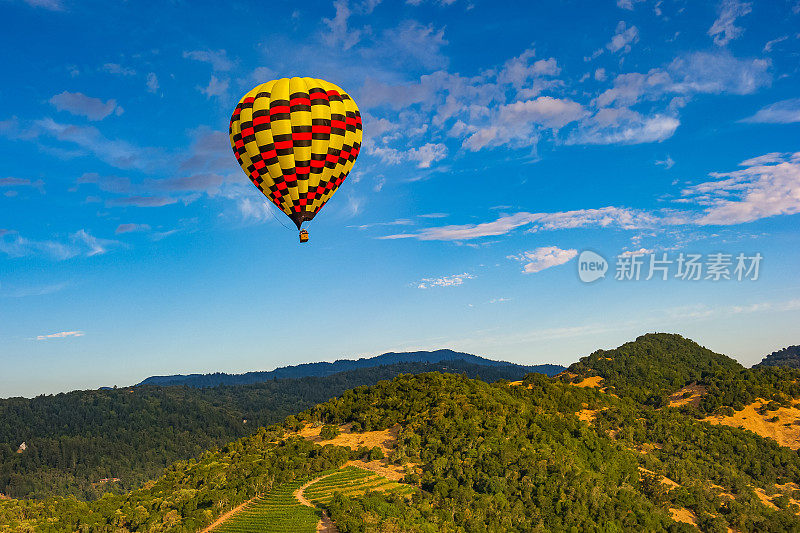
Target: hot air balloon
{"x": 296, "y": 139}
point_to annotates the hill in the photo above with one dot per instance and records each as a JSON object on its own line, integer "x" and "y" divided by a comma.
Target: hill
{"x": 342, "y": 365}
{"x": 480, "y": 457}
{"x": 787, "y": 357}
{"x": 129, "y": 435}
{"x": 652, "y": 367}
{"x": 542, "y": 454}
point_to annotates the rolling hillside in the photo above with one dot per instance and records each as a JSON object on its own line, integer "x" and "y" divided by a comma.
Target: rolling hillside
{"x": 788, "y": 357}
{"x": 578, "y": 452}
{"x": 129, "y": 435}
{"x": 322, "y": 369}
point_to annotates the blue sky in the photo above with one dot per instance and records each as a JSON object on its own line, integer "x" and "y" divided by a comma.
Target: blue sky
{"x": 499, "y": 142}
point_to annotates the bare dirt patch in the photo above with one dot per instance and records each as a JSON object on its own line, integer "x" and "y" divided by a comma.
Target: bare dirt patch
{"x": 689, "y": 395}
{"x": 683, "y": 515}
{"x": 385, "y": 439}
{"x": 594, "y": 381}
{"x": 664, "y": 480}
{"x": 782, "y": 425}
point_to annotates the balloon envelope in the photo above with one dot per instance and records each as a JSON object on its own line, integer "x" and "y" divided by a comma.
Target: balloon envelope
{"x": 297, "y": 140}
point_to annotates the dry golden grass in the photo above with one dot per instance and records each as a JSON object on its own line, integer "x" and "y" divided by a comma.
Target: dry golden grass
{"x": 594, "y": 381}
{"x": 664, "y": 480}
{"x": 587, "y": 415}
{"x": 683, "y": 515}
{"x": 693, "y": 393}
{"x": 385, "y": 439}
{"x": 784, "y": 430}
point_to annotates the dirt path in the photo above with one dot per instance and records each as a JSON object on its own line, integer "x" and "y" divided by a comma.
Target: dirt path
{"x": 325, "y": 525}
{"x": 226, "y": 516}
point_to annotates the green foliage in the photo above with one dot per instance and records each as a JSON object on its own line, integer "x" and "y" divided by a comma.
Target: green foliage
{"x": 653, "y": 366}
{"x": 787, "y": 357}
{"x": 275, "y": 512}
{"x": 351, "y": 481}
{"x": 737, "y": 388}
{"x": 489, "y": 457}
{"x": 329, "y": 431}
{"x": 76, "y": 439}
{"x": 191, "y": 494}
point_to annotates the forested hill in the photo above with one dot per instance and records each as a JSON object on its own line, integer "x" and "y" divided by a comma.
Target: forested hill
{"x": 653, "y": 366}
{"x": 788, "y": 357}
{"x": 75, "y": 439}
{"x": 543, "y": 456}
{"x": 326, "y": 369}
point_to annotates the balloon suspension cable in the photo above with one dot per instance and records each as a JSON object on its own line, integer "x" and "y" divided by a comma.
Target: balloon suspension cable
{"x": 269, "y": 208}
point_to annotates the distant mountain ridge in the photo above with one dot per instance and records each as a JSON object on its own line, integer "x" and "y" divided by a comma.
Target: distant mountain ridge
{"x": 788, "y": 357}
{"x": 322, "y": 369}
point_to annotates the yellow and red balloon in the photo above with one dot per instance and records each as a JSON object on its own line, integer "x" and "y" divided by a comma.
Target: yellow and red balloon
{"x": 297, "y": 140}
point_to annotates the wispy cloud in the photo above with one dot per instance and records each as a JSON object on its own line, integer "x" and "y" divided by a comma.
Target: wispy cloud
{"x": 218, "y": 59}
{"x": 60, "y": 335}
{"x": 80, "y": 243}
{"x": 130, "y": 228}
{"x": 116, "y": 68}
{"x": 768, "y": 186}
{"x": 623, "y": 38}
{"x": 80, "y": 104}
{"x": 22, "y": 182}
{"x": 783, "y": 112}
{"x": 601, "y": 218}
{"x": 53, "y": 5}
{"x": 141, "y": 201}
{"x": 667, "y": 162}
{"x": 444, "y": 281}
{"x": 543, "y": 258}
{"x": 724, "y": 28}
{"x": 152, "y": 82}
{"x": 216, "y": 87}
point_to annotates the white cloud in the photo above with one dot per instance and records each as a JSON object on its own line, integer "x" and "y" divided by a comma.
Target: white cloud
{"x": 22, "y": 182}
{"x": 520, "y": 70}
{"x": 60, "y": 335}
{"x": 340, "y": 34}
{"x": 667, "y": 163}
{"x": 424, "y": 155}
{"x": 129, "y": 228}
{"x": 444, "y": 281}
{"x": 757, "y": 191}
{"x": 427, "y": 154}
{"x": 53, "y": 5}
{"x": 600, "y": 74}
{"x": 215, "y": 87}
{"x": 117, "y": 153}
{"x": 599, "y": 218}
{"x": 80, "y": 243}
{"x": 91, "y": 244}
{"x": 696, "y": 73}
{"x": 417, "y": 42}
{"x": 772, "y": 157}
{"x": 783, "y": 112}
{"x": 543, "y": 258}
{"x": 517, "y": 122}
{"x": 152, "y": 82}
{"x": 724, "y": 28}
{"x": 623, "y": 38}
{"x": 628, "y": 4}
{"x": 80, "y": 104}
{"x": 624, "y": 126}
{"x": 770, "y": 44}
{"x": 218, "y": 59}
{"x": 116, "y": 68}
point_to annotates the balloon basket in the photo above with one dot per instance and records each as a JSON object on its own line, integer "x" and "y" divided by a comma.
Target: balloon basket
{"x": 303, "y": 236}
